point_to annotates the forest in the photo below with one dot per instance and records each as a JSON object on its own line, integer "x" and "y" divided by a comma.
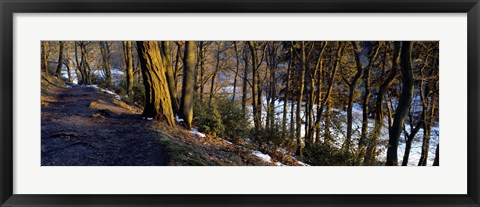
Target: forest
{"x": 240, "y": 103}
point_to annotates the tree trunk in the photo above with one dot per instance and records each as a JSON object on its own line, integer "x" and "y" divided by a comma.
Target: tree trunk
{"x": 60, "y": 59}
{"x": 365, "y": 107}
{"x": 44, "y": 46}
{"x": 255, "y": 89}
{"x": 245, "y": 82}
{"x": 436, "y": 162}
{"x": 67, "y": 63}
{"x": 172, "y": 86}
{"x": 105, "y": 50}
{"x": 403, "y": 103}
{"x": 379, "y": 117}
{"x": 217, "y": 67}
{"x": 237, "y": 70}
{"x": 406, "y": 155}
{"x": 286, "y": 98}
{"x": 427, "y": 129}
{"x": 129, "y": 67}
{"x": 157, "y": 104}
{"x": 202, "y": 63}
{"x": 352, "y": 86}
{"x": 300, "y": 142}
{"x": 186, "y": 103}
{"x": 324, "y": 101}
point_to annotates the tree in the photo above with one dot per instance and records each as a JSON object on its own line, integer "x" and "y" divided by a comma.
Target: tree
{"x": 186, "y": 104}
{"x": 379, "y": 116}
{"x": 106, "y": 56}
{"x": 45, "y": 56}
{"x": 256, "y": 104}
{"x": 325, "y": 100}
{"x": 366, "y": 98}
{"x": 403, "y": 103}
{"x": 172, "y": 85}
{"x": 60, "y": 59}
{"x": 66, "y": 62}
{"x": 352, "y": 84}
{"x": 237, "y": 58}
{"x": 127, "y": 51}
{"x": 157, "y": 96}
{"x": 436, "y": 162}
{"x": 300, "y": 142}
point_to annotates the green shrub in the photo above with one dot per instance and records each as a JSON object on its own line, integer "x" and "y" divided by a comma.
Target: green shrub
{"x": 207, "y": 118}
{"x": 234, "y": 120}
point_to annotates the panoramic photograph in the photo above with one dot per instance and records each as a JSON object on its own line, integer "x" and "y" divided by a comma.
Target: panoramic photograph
{"x": 240, "y": 103}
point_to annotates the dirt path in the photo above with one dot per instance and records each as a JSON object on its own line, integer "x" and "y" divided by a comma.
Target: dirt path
{"x": 81, "y": 126}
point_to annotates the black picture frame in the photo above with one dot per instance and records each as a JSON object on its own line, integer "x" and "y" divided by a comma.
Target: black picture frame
{"x": 9, "y": 7}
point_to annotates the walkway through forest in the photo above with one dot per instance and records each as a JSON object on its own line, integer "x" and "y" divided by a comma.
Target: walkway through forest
{"x": 83, "y": 127}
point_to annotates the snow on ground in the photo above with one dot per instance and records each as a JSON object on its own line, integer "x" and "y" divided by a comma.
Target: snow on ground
{"x": 264, "y": 157}
{"x": 339, "y": 131}
{"x": 226, "y": 141}
{"x": 91, "y": 86}
{"x": 112, "y": 93}
{"x": 197, "y": 133}
{"x": 178, "y": 119}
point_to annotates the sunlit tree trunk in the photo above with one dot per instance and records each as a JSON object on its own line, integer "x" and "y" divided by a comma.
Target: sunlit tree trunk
{"x": 172, "y": 87}
{"x": 186, "y": 104}
{"x": 315, "y": 81}
{"x": 45, "y": 55}
{"x": 158, "y": 103}
{"x": 323, "y": 102}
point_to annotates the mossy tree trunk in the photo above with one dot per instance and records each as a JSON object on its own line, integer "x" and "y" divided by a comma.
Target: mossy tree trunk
{"x": 186, "y": 103}
{"x": 172, "y": 86}
{"x": 158, "y": 103}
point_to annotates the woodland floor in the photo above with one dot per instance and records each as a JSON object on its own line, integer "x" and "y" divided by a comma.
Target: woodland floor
{"x": 83, "y": 126}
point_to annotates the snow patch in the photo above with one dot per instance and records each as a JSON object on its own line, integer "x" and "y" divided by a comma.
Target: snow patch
{"x": 197, "y": 133}
{"x": 92, "y": 86}
{"x": 112, "y": 93}
{"x": 264, "y": 157}
{"x": 178, "y": 119}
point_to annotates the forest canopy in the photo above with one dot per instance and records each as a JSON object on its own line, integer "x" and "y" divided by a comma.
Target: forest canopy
{"x": 327, "y": 103}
